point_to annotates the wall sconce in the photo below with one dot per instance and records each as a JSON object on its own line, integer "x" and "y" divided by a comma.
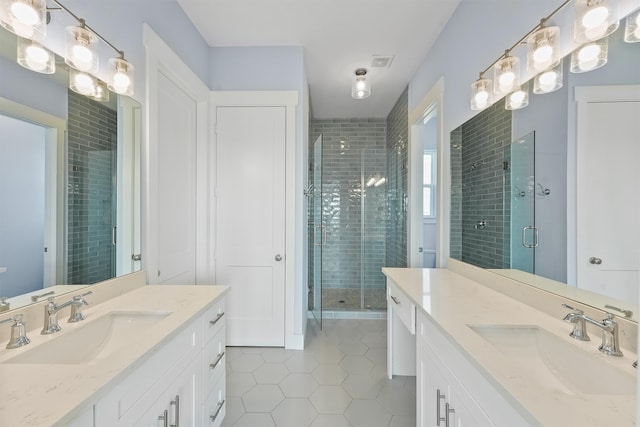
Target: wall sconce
{"x": 35, "y": 57}
{"x": 81, "y": 48}
{"x": 590, "y": 56}
{"x": 121, "y": 76}
{"x": 481, "y": 93}
{"x": 360, "y": 88}
{"x": 517, "y": 99}
{"x": 548, "y": 81}
{"x": 25, "y": 18}
{"x": 543, "y": 49}
{"x": 594, "y": 20}
{"x": 632, "y": 28}
{"x": 506, "y": 74}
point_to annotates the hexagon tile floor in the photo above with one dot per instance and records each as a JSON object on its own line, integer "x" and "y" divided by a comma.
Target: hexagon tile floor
{"x": 338, "y": 380}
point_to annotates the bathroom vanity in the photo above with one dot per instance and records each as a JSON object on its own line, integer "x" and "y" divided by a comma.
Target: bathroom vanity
{"x": 152, "y": 356}
{"x": 484, "y": 358}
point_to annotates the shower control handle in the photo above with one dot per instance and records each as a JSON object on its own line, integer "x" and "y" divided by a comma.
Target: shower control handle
{"x": 278, "y": 257}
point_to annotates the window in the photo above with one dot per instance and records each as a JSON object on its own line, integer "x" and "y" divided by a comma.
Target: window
{"x": 429, "y": 184}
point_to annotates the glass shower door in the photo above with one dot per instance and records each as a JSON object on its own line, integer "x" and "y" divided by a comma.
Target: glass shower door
{"x": 521, "y": 207}
{"x": 318, "y": 234}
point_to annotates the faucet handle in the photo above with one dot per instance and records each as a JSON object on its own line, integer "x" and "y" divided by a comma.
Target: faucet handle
{"x": 577, "y": 310}
{"x": 579, "y": 331}
{"x": 18, "y": 332}
{"x": 76, "y": 308}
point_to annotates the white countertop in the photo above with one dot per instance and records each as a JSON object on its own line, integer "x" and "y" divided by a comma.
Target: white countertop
{"x": 453, "y": 301}
{"x": 42, "y": 395}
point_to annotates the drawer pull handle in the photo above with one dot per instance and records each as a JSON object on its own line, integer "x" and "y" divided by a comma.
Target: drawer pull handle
{"x": 218, "y": 409}
{"x": 439, "y": 396}
{"x": 395, "y": 299}
{"x": 164, "y": 418}
{"x": 214, "y": 321}
{"x": 176, "y": 413}
{"x": 214, "y": 364}
{"x": 449, "y": 410}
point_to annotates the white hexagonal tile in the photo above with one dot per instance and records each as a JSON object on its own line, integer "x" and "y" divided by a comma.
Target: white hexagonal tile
{"x": 246, "y": 363}
{"x": 298, "y": 385}
{"x": 357, "y": 365}
{"x": 373, "y": 340}
{"x": 238, "y": 383}
{"x": 262, "y": 398}
{"x": 327, "y": 354}
{"x": 277, "y": 355}
{"x": 330, "y": 399}
{"x": 302, "y": 362}
{"x": 294, "y": 413}
{"x": 330, "y": 420}
{"x": 377, "y": 355}
{"x": 270, "y": 373}
{"x": 362, "y": 386}
{"x": 329, "y": 374}
{"x": 254, "y": 420}
{"x": 398, "y": 400}
{"x": 403, "y": 421}
{"x": 353, "y": 348}
{"x": 367, "y": 413}
{"x": 234, "y": 410}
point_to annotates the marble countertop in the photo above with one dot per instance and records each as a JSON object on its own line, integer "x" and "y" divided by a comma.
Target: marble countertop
{"x": 43, "y": 395}
{"x": 453, "y": 302}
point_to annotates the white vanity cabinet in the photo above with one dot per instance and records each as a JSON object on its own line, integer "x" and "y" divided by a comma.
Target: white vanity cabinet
{"x": 450, "y": 391}
{"x": 174, "y": 386}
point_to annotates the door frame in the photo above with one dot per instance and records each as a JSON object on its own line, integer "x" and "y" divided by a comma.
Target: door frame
{"x": 431, "y": 103}
{"x": 289, "y": 100}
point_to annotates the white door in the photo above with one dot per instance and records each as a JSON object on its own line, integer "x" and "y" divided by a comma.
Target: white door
{"x": 250, "y": 222}
{"x": 608, "y": 200}
{"x": 176, "y": 185}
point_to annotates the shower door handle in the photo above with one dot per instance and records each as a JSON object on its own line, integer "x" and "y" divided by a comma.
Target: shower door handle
{"x": 535, "y": 237}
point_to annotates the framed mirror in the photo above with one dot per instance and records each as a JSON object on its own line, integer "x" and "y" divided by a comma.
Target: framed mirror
{"x": 531, "y": 227}
{"x": 69, "y": 181}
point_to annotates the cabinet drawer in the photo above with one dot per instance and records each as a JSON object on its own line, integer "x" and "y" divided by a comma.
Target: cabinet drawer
{"x": 402, "y": 305}
{"x": 213, "y": 320}
{"x": 214, "y": 408}
{"x": 213, "y": 360}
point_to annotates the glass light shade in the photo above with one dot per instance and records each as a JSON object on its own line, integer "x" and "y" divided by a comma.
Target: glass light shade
{"x": 121, "y": 76}
{"x": 506, "y": 75}
{"x": 82, "y": 83}
{"x": 594, "y": 20}
{"x": 517, "y": 99}
{"x": 549, "y": 80}
{"x": 81, "y": 49}
{"x": 632, "y": 28}
{"x": 481, "y": 91}
{"x": 360, "y": 88}
{"x": 35, "y": 57}
{"x": 543, "y": 49}
{"x": 100, "y": 92}
{"x": 590, "y": 56}
{"x": 25, "y": 18}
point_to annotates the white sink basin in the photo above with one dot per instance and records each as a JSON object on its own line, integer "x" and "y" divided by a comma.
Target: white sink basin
{"x": 557, "y": 364}
{"x": 91, "y": 341}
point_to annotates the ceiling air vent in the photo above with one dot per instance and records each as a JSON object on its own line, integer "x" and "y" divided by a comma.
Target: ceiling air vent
{"x": 381, "y": 61}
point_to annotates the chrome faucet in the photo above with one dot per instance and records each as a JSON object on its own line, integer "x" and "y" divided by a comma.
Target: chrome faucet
{"x": 579, "y": 324}
{"x": 610, "y": 340}
{"x": 51, "y": 310}
{"x": 18, "y": 332}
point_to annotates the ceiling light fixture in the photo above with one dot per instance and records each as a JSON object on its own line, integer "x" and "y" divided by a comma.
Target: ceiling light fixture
{"x": 360, "y": 87}
{"x": 481, "y": 93}
{"x": 543, "y": 49}
{"x": 506, "y": 74}
{"x": 25, "y": 18}
{"x": 517, "y": 99}
{"x": 594, "y": 20}
{"x": 549, "y": 80}
{"x": 81, "y": 48}
{"x": 35, "y": 57}
{"x": 590, "y": 56}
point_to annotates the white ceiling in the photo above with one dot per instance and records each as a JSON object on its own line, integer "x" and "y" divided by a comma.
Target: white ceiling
{"x": 338, "y": 36}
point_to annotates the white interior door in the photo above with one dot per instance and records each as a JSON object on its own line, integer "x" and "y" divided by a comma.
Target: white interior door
{"x": 176, "y": 185}
{"x": 250, "y": 222}
{"x": 608, "y": 201}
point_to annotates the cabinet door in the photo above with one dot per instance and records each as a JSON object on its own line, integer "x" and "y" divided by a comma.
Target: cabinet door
{"x": 433, "y": 391}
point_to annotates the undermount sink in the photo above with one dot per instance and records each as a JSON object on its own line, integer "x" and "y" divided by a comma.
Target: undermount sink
{"x": 91, "y": 341}
{"x": 558, "y": 364}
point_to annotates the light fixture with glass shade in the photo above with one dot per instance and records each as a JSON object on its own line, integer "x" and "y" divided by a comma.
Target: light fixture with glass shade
{"x": 121, "y": 76}
{"x": 543, "y": 49}
{"x": 360, "y": 87}
{"x": 481, "y": 91}
{"x": 594, "y": 20}
{"x": 81, "y": 48}
{"x": 632, "y": 28}
{"x": 35, "y": 57}
{"x": 25, "y": 18}
{"x": 82, "y": 83}
{"x": 549, "y": 80}
{"x": 506, "y": 74}
{"x": 590, "y": 56}
{"x": 100, "y": 92}
{"x": 517, "y": 99}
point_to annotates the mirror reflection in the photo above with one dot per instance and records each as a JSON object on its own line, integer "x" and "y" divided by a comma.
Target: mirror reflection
{"x": 550, "y": 213}
{"x": 69, "y": 181}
